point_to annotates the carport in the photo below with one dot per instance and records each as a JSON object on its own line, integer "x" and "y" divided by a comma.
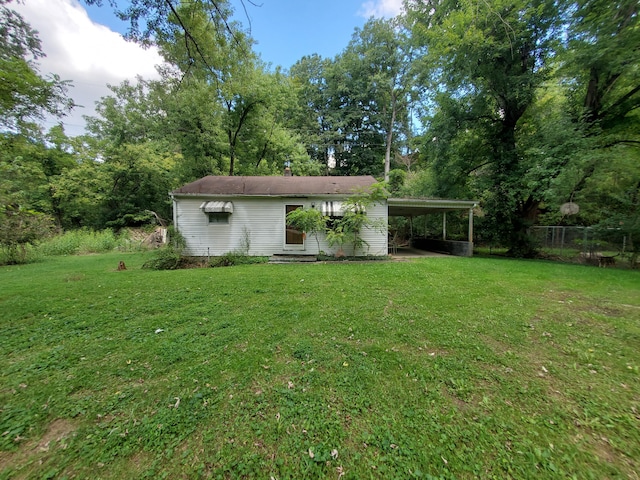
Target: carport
{"x": 417, "y": 207}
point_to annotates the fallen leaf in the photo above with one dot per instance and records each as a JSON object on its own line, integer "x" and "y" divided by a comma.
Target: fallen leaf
{"x": 311, "y": 454}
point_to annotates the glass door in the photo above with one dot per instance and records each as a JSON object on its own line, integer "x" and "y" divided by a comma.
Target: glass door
{"x": 293, "y": 238}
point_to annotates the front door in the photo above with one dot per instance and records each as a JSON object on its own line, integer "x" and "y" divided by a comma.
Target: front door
{"x": 294, "y": 239}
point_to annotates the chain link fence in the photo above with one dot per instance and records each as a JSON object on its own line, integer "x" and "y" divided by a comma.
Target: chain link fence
{"x": 601, "y": 247}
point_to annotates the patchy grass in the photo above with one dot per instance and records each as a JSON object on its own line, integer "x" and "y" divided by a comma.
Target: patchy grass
{"x": 439, "y": 367}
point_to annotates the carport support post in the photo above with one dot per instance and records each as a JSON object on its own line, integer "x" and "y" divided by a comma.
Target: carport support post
{"x": 444, "y": 225}
{"x": 471, "y": 225}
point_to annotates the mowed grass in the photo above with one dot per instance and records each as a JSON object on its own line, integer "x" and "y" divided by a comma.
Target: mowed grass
{"x": 432, "y": 368}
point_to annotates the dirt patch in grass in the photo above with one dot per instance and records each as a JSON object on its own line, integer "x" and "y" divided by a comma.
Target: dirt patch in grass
{"x": 581, "y": 304}
{"x": 60, "y": 429}
{"x": 57, "y": 432}
{"x": 497, "y": 346}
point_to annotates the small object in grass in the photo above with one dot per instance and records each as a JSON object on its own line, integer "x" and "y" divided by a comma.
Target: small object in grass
{"x": 345, "y": 364}
{"x": 334, "y": 453}
{"x": 159, "y": 330}
{"x": 311, "y": 454}
{"x": 121, "y": 266}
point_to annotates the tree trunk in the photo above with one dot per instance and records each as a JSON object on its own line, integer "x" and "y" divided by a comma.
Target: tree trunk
{"x": 387, "y": 155}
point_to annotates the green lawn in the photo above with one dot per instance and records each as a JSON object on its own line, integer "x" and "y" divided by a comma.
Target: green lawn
{"x": 439, "y": 367}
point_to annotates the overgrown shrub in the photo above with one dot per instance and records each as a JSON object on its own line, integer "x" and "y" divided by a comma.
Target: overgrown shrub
{"x": 235, "y": 258}
{"x": 18, "y": 254}
{"x": 164, "y": 258}
{"x": 20, "y": 229}
{"x": 169, "y": 257}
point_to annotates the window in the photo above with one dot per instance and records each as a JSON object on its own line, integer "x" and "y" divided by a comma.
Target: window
{"x": 218, "y": 212}
{"x": 219, "y": 217}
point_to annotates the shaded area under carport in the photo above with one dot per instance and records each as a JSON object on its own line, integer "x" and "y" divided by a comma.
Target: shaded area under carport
{"x": 416, "y": 207}
{"x": 406, "y": 253}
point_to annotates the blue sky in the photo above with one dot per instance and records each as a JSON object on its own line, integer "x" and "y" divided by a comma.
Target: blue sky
{"x": 286, "y": 30}
{"x": 84, "y": 44}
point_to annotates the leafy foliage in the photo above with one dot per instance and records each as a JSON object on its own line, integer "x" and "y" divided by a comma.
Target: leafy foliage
{"x": 236, "y": 258}
{"x": 347, "y": 230}
{"x": 169, "y": 256}
{"x": 308, "y": 220}
{"x": 24, "y": 94}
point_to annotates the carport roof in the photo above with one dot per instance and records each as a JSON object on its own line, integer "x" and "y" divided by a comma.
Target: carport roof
{"x": 413, "y": 207}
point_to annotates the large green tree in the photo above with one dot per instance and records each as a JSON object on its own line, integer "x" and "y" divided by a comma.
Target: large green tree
{"x": 248, "y": 105}
{"x": 602, "y": 68}
{"x": 312, "y": 114}
{"x": 481, "y": 67}
{"x": 373, "y": 84}
{"x": 353, "y": 109}
{"x": 27, "y": 165}
{"x": 25, "y": 94}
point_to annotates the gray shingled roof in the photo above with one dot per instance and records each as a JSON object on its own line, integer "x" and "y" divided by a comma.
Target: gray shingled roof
{"x": 276, "y": 186}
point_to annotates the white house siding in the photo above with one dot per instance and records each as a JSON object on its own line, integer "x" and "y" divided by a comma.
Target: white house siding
{"x": 263, "y": 220}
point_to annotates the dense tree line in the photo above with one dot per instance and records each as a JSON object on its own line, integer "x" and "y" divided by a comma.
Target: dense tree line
{"x": 523, "y": 105}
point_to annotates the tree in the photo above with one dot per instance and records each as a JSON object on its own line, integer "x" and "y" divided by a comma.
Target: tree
{"x": 26, "y": 165}
{"x": 380, "y": 60}
{"x": 605, "y": 51}
{"x": 248, "y": 104}
{"x": 348, "y": 228}
{"x": 24, "y": 94}
{"x": 482, "y": 65}
{"x": 602, "y": 67}
{"x": 367, "y": 98}
{"x": 149, "y": 19}
{"x": 312, "y": 115}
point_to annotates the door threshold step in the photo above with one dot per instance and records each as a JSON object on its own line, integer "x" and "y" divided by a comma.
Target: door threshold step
{"x": 284, "y": 258}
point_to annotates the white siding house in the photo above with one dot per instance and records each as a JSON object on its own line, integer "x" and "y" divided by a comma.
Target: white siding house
{"x": 217, "y": 215}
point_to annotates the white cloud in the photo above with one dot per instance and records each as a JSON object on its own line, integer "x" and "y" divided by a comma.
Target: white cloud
{"x": 89, "y": 54}
{"x": 381, "y": 8}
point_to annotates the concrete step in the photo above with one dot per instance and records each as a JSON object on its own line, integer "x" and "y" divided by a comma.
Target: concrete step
{"x": 283, "y": 258}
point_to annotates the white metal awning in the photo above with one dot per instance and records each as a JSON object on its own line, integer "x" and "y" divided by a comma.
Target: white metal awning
{"x": 336, "y": 209}
{"x": 217, "y": 207}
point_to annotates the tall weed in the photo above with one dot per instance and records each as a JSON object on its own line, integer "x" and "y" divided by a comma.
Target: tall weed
{"x": 19, "y": 254}
{"x": 82, "y": 241}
